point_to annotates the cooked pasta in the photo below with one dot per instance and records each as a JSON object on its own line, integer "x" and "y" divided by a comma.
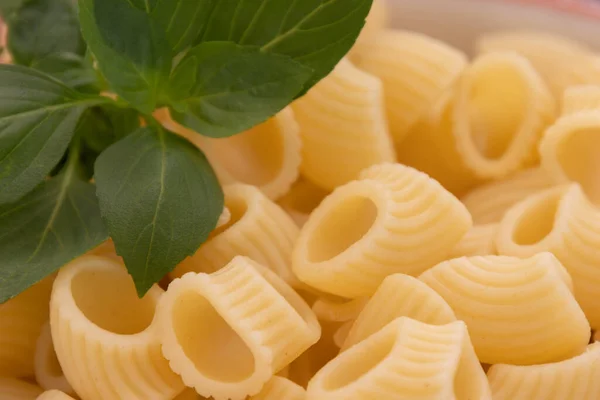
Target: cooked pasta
{"x": 21, "y": 321}
{"x": 399, "y": 296}
{"x": 106, "y": 338}
{"x": 581, "y": 98}
{"x": 376, "y": 226}
{"x": 54, "y": 395}
{"x": 337, "y": 309}
{"x": 301, "y": 200}
{"x": 48, "y": 372}
{"x": 488, "y": 203}
{"x": 501, "y": 109}
{"x": 519, "y": 311}
{"x": 564, "y": 222}
{"x": 377, "y": 21}
{"x": 479, "y": 241}
{"x": 343, "y": 126}
{"x": 416, "y": 71}
{"x": 340, "y": 335}
{"x": 560, "y": 61}
{"x": 575, "y": 378}
{"x": 251, "y": 324}
{"x": 407, "y": 359}
{"x": 15, "y": 389}
{"x": 569, "y": 151}
{"x": 279, "y": 388}
{"x": 258, "y": 228}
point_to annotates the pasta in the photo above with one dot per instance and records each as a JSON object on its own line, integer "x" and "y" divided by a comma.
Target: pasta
{"x": 340, "y": 335}
{"x": 501, "y": 109}
{"x": 399, "y": 296}
{"x": 343, "y": 126}
{"x": 338, "y": 310}
{"x": 22, "y": 318}
{"x": 15, "y": 389}
{"x": 377, "y": 21}
{"x": 301, "y": 200}
{"x": 253, "y": 326}
{"x": 408, "y": 360}
{"x": 106, "y": 338}
{"x": 569, "y": 151}
{"x": 416, "y": 71}
{"x": 48, "y": 372}
{"x": 258, "y": 228}
{"x": 575, "y": 378}
{"x": 479, "y": 241}
{"x": 581, "y": 98}
{"x": 488, "y": 203}
{"x": 279, "y": 388}
{"x": 564, "y": 222}
{"x": 560, "y": 61}
{"x": 374, "y": 227}
{"x": 519, "y": 311}
{"x": 54, "y": 395}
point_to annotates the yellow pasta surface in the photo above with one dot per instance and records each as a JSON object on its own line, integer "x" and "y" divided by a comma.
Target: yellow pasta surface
{"x": 343, "y": 126}
{"x": 581, "y": 98}
{"x": 337, "y": 309}
{"x": 54, "y": 395}
{"x": 48, "y": 372}
{"x": 479, "y": 241}
{"x": 301, "y": 200}
{"x": 575, "y": 378}
{"x": 519, "y": 311}
{"x": 15, "y": 389}
{"x": 407, "y": 359}
{"x": 377, "y": 21}
{"x": 279, "y": 388}
{"x": 374, "y": 227}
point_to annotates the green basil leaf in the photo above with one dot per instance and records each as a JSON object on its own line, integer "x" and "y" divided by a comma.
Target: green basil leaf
{"x": 38, "y": 116}
{"x": 107, "y": 124}
{"x": 8, "y": 7}
{"x": 317, "y": 33}
{"x": 131, "y": 49}
{"x": 71, "y": 69}
{"x": 220, "y": 88}
{"x": 182, "y": 20}
{"x": 57, "y": 222}
{"x": 42, "y": 27}
{"x": 160, "y": 199}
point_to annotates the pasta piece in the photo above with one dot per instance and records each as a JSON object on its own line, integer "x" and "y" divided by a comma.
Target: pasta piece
{"x": 279, "y": 388}
{"x": 564, "y": 222}
{"x": 190, "y": 394}
{"x": 377, "y": 21}
{"x": 106, "y": 338}
{"x": 430, "y": 146}
{"x": 399, "y": 296}
{"x": 560, "y": 61}
{"x": 54, "y": 395}
{"x": 48, "y": 372}
{"x": 570, "y": 148}
{"x": 258, "y": 228}
{"x": 343, "y": 126}
{"x": 301, "y": 200}
{"x": 407, "y": 359}
{"x": 479, "y": 241}
{"x": 488, "y": 203}
{"x": 266, "y": 156}
{"x": 15, "y": 389}
{"x": 501, "y": 109}
{"x": 519, "y": 311}
{"x": 575, "y": 378}
{"x": 252, "y": 326}
{"x": 21, "y": 321}
{"x": 338, "y": 310}
{"x": 416, "y": 71}
{"x": 339, "y": 337}
{"x": 581, "y": 98}
{"x": 376, "y": 226}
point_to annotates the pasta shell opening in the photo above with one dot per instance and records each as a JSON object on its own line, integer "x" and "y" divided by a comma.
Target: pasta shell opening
{"x": 347, "y": 223}
{"x": 48, "y": 371}
{"x": 537, "y": 222}
{"x": 237, "y": 209}
{"x": 216, "y": 350}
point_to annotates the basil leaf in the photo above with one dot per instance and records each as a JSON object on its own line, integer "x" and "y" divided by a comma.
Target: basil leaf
{"x": 108, "y": 124}
{"x": 182, "y": 20}
{"x": 220, "y": 88}
{"x": 57, "y": 222}
{"x": 160, "y": 200}
{"x": 71, "y": 69}
{"x": 7, "y": 7}
{"x": 317, "y": 33}
{"x": 42, "y": 27}
{"x": 131, "y": 49}
{"x": 38, "y": 116}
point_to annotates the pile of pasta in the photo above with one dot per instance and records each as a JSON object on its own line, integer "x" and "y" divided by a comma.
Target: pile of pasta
{"x": 420, "y": 225}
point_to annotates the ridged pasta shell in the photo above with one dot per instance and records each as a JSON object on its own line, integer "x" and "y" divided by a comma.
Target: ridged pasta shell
{"x": 564, "y": 222}
{"x": 479, "y": 241}
{"x": 279, "y": 388}
{"x": 406, "y": 360}
{"x": 416, "y": 71}
{"x": 488, "y": 203}
{"x": 22, "y": 318}
{"x": 258, "y": 228}
{"x": 376, "y": 226}
{"x": 106, "y": 338}
{"x": 301, "y": 200}
{"x": 48, "y": 372}
{"x": 15, "y": 389}
{"x": 54, "y": 395}
{"x": 343, "y": 126}
{"x": 377, "y": 21}
{"x": 501, "y": 109}
{"x": 251, "y": 325}
{"x": 519, "y": 311}
{"x": 575, "y": 378}
{"x": 581, "y": 98}
{"x": 399, "y": 296}
{"x": 338, "y": 310}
